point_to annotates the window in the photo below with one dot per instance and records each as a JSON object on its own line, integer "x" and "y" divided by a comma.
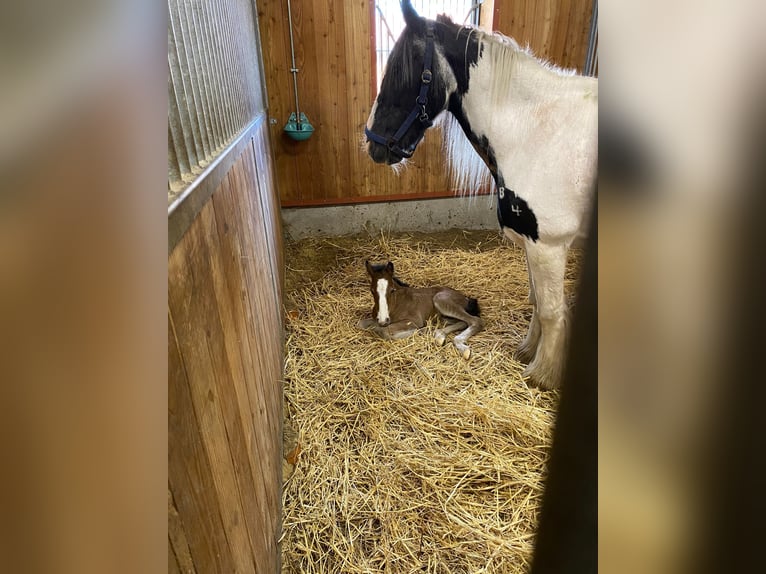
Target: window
{"x": 389, "y": 23}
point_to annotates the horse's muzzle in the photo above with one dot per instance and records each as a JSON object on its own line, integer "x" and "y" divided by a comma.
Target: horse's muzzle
{"x": 381, "y": 154}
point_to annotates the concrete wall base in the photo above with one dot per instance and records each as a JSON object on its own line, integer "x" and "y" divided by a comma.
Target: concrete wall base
{"x": 426, "y": 215}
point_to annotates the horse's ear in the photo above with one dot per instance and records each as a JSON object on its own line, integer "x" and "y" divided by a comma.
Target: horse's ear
{"x": 368, "y": 266}
{"x": 411, "y": 17}
{"x": 390, "y": 267}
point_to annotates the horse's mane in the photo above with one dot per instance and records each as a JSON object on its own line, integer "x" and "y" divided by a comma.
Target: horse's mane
{"x": 468, "y": 172}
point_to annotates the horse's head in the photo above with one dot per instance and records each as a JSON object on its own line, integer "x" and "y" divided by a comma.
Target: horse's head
{"x": 414, "y": 90}
{"x": 382, "y": 284}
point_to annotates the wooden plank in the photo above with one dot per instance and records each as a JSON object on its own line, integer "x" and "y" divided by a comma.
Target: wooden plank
{"x": 173, "y": 567}
{"x": 272, "y": 22}
{"x": 314, "y": 154}
{"x": 243, "y": 429}
{"x": 232, "y": 210}
{"x": 270, "y": 202}
{"x": 268, "y": 350}
{"x": 189, "y": 475}
{"x": 200, "y": 338}
{"x": 178, "y": 546}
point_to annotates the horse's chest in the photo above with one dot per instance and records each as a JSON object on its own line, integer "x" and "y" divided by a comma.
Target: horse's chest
{"x": 416, "y": 306}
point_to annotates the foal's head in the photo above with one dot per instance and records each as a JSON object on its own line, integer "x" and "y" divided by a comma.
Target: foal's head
{"x": 382, "y": 284}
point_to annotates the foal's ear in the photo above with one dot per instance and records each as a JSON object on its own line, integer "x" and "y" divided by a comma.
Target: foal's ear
{"x": 368, "y": 266}
{"x": 390, "y": 267}
{"x": 411, "y": 17}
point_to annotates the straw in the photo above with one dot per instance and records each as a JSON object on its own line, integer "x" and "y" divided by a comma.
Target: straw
{"x": 412, "y": 459}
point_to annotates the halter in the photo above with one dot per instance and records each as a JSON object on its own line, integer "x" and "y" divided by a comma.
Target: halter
{"x": 418, "y": 110}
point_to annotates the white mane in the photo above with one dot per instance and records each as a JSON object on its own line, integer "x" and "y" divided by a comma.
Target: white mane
{"x": 468, "y": 172}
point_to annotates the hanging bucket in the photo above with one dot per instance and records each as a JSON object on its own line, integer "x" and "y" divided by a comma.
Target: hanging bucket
{"x": 299, "y": 131}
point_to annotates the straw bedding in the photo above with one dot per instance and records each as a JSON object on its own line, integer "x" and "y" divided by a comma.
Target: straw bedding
{"x": 411, "y": 458}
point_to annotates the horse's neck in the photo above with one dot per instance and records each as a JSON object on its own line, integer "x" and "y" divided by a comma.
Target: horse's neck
{"x": 512, "y": 95}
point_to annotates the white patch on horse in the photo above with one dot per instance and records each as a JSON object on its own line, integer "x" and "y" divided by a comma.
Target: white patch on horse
{"x": 382, "y": 301}
{"x": 541, "y": 122}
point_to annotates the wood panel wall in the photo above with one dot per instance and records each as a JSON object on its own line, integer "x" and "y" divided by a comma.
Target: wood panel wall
{"x": 225, "y": 353}
{"x": 333, "y": 47}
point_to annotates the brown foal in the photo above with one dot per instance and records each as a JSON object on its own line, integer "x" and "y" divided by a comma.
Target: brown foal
{"x": 400, "y": 310}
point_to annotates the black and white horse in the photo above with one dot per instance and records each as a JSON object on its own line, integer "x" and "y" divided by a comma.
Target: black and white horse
{"x": 533, "y": 125}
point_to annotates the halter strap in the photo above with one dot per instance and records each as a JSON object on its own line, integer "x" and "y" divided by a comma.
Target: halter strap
{"x": 418, "y": 110}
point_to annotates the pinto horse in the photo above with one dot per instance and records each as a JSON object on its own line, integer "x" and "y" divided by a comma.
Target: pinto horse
{"x": 530, "y": 126}
{"x": 399, "y": 310}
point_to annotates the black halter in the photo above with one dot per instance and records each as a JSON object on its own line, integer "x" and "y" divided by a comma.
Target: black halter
{"x": 419, "y": 109}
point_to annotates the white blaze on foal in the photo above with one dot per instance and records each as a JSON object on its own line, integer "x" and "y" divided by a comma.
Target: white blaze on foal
{"x": 383, "y": 316}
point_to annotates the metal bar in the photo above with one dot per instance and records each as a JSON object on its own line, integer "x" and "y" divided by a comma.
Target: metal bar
{"x": 254, "y": 54}
{"x": 211, "y": 72}
{"x": 174, "y": 169}
{"x": 592, "y": 41}
{"x": 293, "y": 70}
{"x": 237, "y": 72}
{"x": 204, "y": 76}
{"x": 259, "y": 54}
{"x": 195, "y": 72}
{"x": 176, "y": 134}
{"x": 247, "y": 42}
{"x": 180, "y": 70}
{"x": 225, "y": 77}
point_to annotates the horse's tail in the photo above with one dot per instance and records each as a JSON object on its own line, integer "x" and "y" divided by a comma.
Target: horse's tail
{"x": 472, "y": 307}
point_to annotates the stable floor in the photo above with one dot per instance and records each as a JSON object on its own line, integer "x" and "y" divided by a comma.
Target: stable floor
{"x": 403, "y": 456}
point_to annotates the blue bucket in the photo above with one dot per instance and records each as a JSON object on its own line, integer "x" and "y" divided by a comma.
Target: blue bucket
{"x": 299, "y": 132}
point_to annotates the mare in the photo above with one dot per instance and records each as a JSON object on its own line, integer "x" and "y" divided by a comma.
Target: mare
{"x": 399, "y": 310}
{"x": 528, "y": 125}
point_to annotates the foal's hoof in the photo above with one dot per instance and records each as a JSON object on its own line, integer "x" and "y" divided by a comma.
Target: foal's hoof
{"x": 464, "y": 350}
{"x": 440, "y": 338}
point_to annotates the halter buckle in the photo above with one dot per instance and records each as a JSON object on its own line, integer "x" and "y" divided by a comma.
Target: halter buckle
{"x": 426, "y": 76}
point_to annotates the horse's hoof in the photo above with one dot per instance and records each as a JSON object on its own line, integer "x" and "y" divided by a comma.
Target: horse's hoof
{"x": 545, "y": 381}
{"x": 467, "y": 354}
{"x": 440, "y": 338}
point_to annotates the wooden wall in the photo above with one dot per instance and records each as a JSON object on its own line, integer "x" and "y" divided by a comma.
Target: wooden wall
{"x": 333, "y": 52}
{"x": 225, "y": 353}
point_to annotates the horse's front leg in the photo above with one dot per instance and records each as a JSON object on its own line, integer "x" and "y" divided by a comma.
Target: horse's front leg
{"x": 528, "y": 347}
{"x": 398, "y": 330}
{"x": 547, "y": 264}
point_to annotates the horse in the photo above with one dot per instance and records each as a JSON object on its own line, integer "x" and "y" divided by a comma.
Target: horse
{"x": 528, "y": 125}
{"x": 400, "y": 310}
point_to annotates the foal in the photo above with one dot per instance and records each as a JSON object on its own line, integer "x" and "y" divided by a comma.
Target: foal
{"x": 400, "y": 310}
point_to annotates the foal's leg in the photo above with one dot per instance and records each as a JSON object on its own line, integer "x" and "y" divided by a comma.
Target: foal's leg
{"x": 366, "y": 323}
{"x": 528, "y": 347}
{"x": 547, "y": 264}
{"x": 445, "y": 303}
{"x": 453, "y": 325}
{"x": 398, "y": 330}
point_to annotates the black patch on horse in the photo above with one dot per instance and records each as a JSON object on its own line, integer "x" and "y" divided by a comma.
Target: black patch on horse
{"x": 400, "y": 282}
{"x": 461, "y": 47}
{"x": 481, "y": 145}
{"x": 514, "y": 213}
